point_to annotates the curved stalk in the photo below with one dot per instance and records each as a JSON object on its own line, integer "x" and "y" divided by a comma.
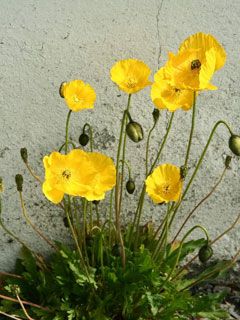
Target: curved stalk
{"x": 147, "y": 145}
{"x": 200, "y": 203}
{"x": 90, "y": 133}
{"x": 63, "y": 145}
{"x": 181, "y": 245}
{"x": 199, "y": 164}
{"x": 27, "y": 218}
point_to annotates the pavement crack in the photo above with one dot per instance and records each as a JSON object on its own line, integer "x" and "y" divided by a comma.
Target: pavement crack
{"x": 159, "y": 51}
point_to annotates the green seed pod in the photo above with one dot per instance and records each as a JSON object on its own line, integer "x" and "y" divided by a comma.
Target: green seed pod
{"x": 83, "y": 139}
{"x": 61, "y": 89}
{"x": 1, "y": 184}
{"x": 24, "y": 154}
{"x": 228, "y": 161}
{"x": 205, "y": 253}
{"x": 134, "y": 131}
{"x": 155, "y": 114}
{"x": 19, "y": 182}
{"x": 130, "y": 186}
{"x": 234, "y": 144}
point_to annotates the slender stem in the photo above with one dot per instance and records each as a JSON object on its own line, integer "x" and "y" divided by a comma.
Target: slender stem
{"x": 110, "y": 218}
{"x": 97, "y": 214}
{"x": 67, "y": 126}
{"x": 24, "y": 302}
{"x": 162, "y": 144}
{"x": 147, "y": 145}
{"x": 191, "y": 131}
{"x": 23, "y": 308}
{"x": 181, "y": 245}
{"x": 9, "y": 315}
{"x": 11, "y": 234}
{"x": 129, "y": 169}
{"x": 24, "y": 212}
{"x": 85, "y": 205}
{"x": 198, "y": 165}
{"x": 211, "y": 243}
{"x": 76, "y": 240}
{"x": 164, "y": 233}
{"x": 138, "y": 213}
{"x": 63, "y": 145}
{"x": 200, "y": 203}
{"x": 7, "y": 274}
{"x": 32, "y": 172}
{"x": 124, "y": 153}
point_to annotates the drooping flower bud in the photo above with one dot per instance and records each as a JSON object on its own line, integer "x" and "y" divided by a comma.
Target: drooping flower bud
{"x": 234, "y": 144}
{"x": 205, "y": 253}
{"x": 24, "y": 154}
{"x": 155, "y": 114}
{"x": 228, "y": 161}
{"x": 83, "y": 139}
{"x": 61, "y": 89}
{"x": 130, "y": 186}
{"x": 1, "y": 184}
{"x": 134, "y": 131}
{"x": 19, "y": 182}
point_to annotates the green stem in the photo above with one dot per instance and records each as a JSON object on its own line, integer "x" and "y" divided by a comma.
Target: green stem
{"x": 76, "y": 240}
{"x": 110, "y": 219}
{"x": 198, "y": 165}
{"x": 147, "y": 145}
{"x": 191, "y": 131}
{"x": 181, "y": 245}
{"x": 124, "y": 153}
{"x": 200, "y": 203}
{"x": 138, "y": 213}
{"x": 63, "y": 145}
{"x": 129, "y": 169}
{"x": 66, "y": 136}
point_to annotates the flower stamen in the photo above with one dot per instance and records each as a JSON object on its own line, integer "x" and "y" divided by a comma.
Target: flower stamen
{"x": 66, "y": 174}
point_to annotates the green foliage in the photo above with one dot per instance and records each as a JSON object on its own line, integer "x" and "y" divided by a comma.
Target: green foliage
{"x": 140, "y": 291}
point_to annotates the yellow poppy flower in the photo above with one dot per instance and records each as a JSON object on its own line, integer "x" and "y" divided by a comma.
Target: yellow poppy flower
{"x": 130, "y": 75}
{"x": 78, "y": 95}
{"x": 78, "y": 173}
{"x": 164, "y": 184}
{"x": 191, "y": 70}
{"x": 204, "y": 42}
{"x": 165, "y": 96}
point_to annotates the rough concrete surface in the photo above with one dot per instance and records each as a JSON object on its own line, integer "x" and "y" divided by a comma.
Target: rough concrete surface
{"x": 45, "y": 42}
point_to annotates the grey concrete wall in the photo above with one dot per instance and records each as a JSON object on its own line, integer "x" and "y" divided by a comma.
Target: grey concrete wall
{"x": 45, "y": 42}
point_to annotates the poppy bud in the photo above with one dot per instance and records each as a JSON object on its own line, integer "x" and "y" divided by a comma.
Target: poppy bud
{"x": 228, "y": 161}
{"x": 234, "y": 144}
{"x": 130, "y": 186}
{"x": 205, "y": 253}
{"x": 24, "y": 154}
{"x": 183, "y": 172}
{"x": 1, "y": 184}
{"x": 61, "y": 89}
{"x": 19, "y": 182}
{"x": 83, "y": 139}
{"x": 134, "y": 131}
{"x": 155, "y": 114}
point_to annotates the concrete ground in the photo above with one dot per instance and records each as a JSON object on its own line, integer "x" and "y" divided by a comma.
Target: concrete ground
{"x": 43, "y": 43}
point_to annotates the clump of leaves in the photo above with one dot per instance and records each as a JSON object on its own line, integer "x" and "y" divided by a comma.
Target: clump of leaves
{"x": 59, "y": 288}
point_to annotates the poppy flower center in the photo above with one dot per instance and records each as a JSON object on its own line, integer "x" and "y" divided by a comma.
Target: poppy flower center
{"x": 66, "y": 174}
{"x": 131, "y": 83}
{"x": 77, "y": 99}
{"x": 166, "y": 188}
{"x": 195, "y": 64}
